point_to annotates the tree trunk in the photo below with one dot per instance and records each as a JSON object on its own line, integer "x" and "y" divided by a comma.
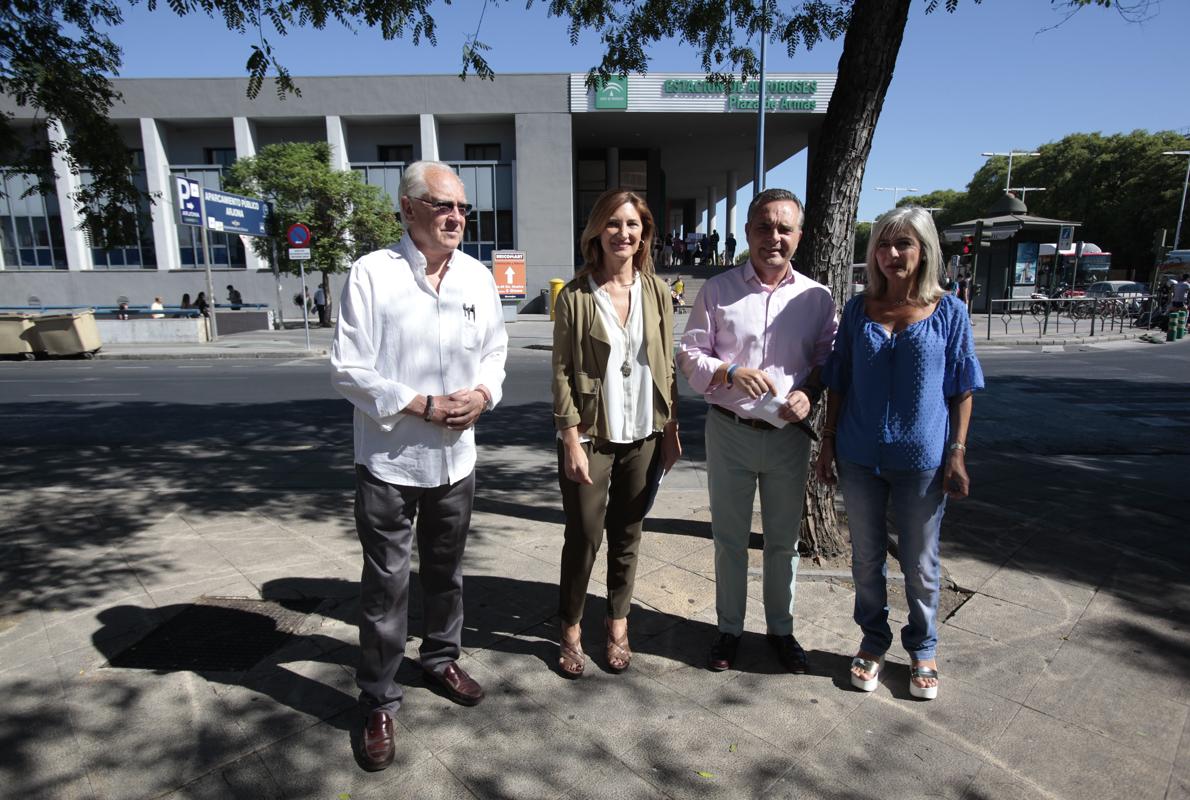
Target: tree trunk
{"x": 841, "y": 151}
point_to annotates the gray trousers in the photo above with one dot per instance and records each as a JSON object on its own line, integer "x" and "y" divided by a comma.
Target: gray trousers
{"x": 384, "y": 519}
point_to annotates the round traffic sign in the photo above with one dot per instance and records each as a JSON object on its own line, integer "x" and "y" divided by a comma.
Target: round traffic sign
{"x": 299, "y": 235}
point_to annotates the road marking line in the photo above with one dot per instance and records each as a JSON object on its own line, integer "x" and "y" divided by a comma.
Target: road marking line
{"x": 90, "y": 394}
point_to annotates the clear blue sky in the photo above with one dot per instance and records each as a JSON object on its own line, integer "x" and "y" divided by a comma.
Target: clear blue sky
{"x": 989, "y": 77}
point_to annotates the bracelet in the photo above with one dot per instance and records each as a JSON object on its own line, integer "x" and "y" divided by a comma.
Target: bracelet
{"x": 956, "y": 446}
{"x": 487, "y": 396}
{"x": 731, "y": 371}
{"x": 429, "y": 412}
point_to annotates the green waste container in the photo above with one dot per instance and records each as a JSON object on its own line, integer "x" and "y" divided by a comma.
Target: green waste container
{"x": 17, "y": 337}
{"x": 73, "y": 334}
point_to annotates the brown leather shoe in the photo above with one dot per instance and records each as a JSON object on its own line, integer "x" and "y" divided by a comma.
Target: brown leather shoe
{"x": 723, "y": 652}
{"x": 457, "y": 684}
{"x": 378, "y": 746}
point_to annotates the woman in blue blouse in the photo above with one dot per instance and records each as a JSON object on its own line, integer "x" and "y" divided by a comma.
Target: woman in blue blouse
{"x": 901, "y": 377}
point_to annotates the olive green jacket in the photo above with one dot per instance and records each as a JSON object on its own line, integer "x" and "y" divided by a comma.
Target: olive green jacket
{"x": 582, "y": 347}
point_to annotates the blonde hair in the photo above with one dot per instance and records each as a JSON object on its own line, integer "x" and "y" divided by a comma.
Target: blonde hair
{"x": 917, "y": 222}
{"x": 606, "y": 205}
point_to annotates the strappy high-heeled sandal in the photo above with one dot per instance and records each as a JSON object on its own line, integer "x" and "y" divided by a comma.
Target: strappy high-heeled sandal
{"x": 618, "y": 654}
{"x": 923, "y": 692}
{"x": 873, "y": 668}
{"x": 571, "y": 658}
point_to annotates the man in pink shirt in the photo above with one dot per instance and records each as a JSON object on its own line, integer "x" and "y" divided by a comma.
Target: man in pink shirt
{"x": 754, "y": 343}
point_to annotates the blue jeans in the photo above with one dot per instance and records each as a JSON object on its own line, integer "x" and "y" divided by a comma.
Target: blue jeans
{"x": 918, "y": 502}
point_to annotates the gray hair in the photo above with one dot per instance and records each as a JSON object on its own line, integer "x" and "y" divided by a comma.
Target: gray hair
{"x": 918, "y": 222}
{"x": 776, "y": 196}
{"x": 413, "y": 178}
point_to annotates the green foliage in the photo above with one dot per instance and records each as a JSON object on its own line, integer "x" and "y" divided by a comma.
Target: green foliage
{"x": 346, "y": 217}
{"x": 1120, "y": 187}
{"x": 863, "y": 232}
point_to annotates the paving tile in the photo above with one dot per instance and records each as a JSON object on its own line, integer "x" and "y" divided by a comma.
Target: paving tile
{"x": 38, "y": 753}
{"x": 142, "y": 734}
{"x": 807, "y": 781}
{"x": 708, "y": 757}
{"x": 1179, "y": 778}
{"x": 288, "y": 698}
{"x": 1055, "y": 598}
{"x": 1069, "y": 761}
{"x": 1079, "y": 680}
{"x": 1148, "y": 645}
{"x": 611, "y": 779}
{"x": 525, "y": 753}
{"x": 1012, "y": 624}
{"x": 319, "y": 763}
{"x": 246, "y": 778}
{"x": 1001, "y": 669}
{"x": 887, "y": 748}
{"x": 997, "y": 783}
{"x": 426, "y": 780}
{"x": 69, "y": 630}
{"x": 672, "y": 590}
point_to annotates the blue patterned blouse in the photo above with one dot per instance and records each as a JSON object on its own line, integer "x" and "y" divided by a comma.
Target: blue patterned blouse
{"x": 895, "y": 414}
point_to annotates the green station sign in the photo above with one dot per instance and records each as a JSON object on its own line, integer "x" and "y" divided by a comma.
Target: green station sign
{"x": 613, "y": 93}
{"x": 781, "y": 95}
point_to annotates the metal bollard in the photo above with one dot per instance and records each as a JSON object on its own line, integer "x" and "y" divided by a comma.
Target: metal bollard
{"x": 1182, "y": 323}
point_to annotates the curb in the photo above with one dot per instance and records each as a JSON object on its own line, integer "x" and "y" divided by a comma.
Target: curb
{"x": 205, "y": 355}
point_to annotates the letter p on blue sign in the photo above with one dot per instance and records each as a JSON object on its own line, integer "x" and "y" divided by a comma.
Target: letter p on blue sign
{"x": 189, "y": 196}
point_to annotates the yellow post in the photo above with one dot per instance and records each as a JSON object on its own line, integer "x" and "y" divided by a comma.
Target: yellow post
{"x": 556, "y": 285}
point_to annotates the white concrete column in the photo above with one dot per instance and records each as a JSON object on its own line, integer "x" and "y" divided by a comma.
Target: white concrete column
{"x": 165, "y": 212}
{"x": 336, "y": 137}
{"x": 429, "y": 137}
{"x": 613, "y": 167}
{"x": 733, "y": 183}
{"x": 67, "y": 183}
{"x": 712, "y": 199}
{"x": 245, "y": 132}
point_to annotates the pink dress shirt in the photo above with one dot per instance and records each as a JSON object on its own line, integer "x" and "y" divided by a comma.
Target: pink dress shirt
{"x": 786, "y": 330}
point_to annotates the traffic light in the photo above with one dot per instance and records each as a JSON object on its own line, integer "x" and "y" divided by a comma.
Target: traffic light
{"x": 968, "y": 245}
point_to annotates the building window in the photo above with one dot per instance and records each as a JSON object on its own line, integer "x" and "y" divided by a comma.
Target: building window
{"x": 30, "y": 225}
{"x": 481, "y": 152}
{"x": 394, "y": 152}
{"x": 139, "y": 252}
{"x": 219, "y": 156}
{"x": 634, "y": 175}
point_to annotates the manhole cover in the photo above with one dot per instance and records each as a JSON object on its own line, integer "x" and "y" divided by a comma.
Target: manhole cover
{"x": 218, "y": 634}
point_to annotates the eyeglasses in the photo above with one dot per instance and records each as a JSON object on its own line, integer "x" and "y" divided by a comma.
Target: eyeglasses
{"x": 447, "y": 206}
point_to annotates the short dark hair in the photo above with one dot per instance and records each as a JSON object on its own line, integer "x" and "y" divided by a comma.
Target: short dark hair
{"x": 776, "y": 196}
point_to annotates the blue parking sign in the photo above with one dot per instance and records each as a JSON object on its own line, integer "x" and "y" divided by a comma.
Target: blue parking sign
{"x": 189, "y": 197}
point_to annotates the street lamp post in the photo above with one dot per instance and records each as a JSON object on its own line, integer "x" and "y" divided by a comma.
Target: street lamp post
{"x": 1177, "y": 234}
{"x": 1010, "y": 154}
{"x": 1025, "y": 189}
{"x": 895, "y": 190}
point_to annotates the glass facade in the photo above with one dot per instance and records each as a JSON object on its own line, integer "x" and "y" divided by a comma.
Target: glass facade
{"x": 140, "y": 253}
{"x": 489, "y": 188}
{"x": 226, "y": 249}
{"x": 30, "y": 225}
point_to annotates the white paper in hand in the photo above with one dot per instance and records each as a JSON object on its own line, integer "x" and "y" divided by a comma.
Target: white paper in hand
{"x": 767, "y": 407}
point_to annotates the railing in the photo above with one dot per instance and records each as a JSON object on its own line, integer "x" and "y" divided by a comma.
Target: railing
{"x": 1067, "y": 314}
{"x": 138, "y": 311}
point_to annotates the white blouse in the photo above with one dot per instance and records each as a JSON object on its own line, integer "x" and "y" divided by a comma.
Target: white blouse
{"x": 628, "y": 383}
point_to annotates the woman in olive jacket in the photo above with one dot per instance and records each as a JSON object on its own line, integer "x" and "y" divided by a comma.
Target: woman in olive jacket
{"x": 615, "y": 409}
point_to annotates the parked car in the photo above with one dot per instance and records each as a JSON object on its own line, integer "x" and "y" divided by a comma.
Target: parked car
{"x": 1116, "y": 288}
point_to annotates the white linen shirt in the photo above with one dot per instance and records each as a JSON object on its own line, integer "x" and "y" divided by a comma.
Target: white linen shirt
{"x": 629, "y": 398}
{"x": 397, "y": 338}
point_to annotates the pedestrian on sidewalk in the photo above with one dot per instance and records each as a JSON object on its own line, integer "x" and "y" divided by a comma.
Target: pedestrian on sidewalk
{"x": 896, "y": 432}
{"x": 320, "y": 306}
{"x": 419, "y": 351}
{"x": 1181, "y": 293}
{"x": 729, "y": 250}
{"x": 756, "y": 339}
{"x": 615, "y": 409}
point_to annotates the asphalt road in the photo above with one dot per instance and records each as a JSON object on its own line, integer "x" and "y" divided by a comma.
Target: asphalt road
{"x": 1130, "y": 396}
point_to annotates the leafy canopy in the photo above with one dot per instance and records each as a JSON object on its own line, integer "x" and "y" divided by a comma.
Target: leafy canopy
{"x": 346, "y": 217}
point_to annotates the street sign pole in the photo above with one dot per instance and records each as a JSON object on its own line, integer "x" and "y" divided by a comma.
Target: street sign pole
{"x": 206, "y": 260}
{"x": 305, "y": 313}
{"x": 280, "y": 298}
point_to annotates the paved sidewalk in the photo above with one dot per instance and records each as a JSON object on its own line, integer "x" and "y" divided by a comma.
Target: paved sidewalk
{"x": 1063, "y": 674}
{"x": 536, "y": 330}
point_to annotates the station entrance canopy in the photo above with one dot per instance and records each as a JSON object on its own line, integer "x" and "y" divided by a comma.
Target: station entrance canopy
{"x": 702, "y": 131}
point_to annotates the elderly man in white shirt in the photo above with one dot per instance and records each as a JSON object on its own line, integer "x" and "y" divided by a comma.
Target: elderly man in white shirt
{"x": 419, "y": 351}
